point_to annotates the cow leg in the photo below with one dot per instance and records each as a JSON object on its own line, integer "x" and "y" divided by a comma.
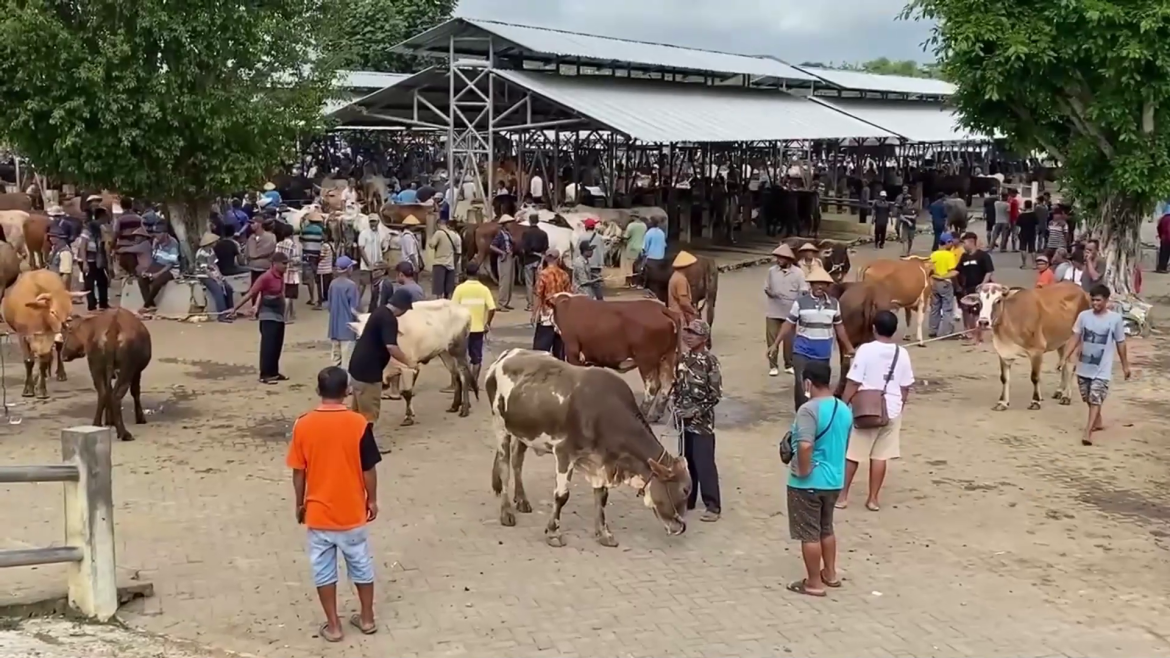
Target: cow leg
{"x": 552, "y": 531}
{"x": 1005, "y": 379}
{"x": 501, "y": 473}
{"x": 664, "y": 380}
{"x": 907, "y": 311}
{"x": 601, "y": 530}
{"x": 44, "y": 366}
{"x": 520, "y": 497}
{"x": 114, "y": 399}
{"x": 29, "y": 361}
{"x": 1064, "y": 393}
{"x": 1037, "y": 361}
{"x": 60, "y": 363}
{"x": 408, "y": 378}
{"x": 922, "y": 311}
{"x": 136, "y": 393}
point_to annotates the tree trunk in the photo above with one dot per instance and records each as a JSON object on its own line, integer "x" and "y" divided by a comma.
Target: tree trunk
{"x": 1120, "y": 225}
{"x": 189, "y": 220}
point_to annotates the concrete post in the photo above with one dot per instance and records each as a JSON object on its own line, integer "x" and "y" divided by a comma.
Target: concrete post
{"x": 89, "y": 521}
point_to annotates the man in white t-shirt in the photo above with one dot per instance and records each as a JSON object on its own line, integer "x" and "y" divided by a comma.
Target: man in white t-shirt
{"x": 536, "y": 189}
{"x": 872, "y": 364}
{"x": 373, "y": 242}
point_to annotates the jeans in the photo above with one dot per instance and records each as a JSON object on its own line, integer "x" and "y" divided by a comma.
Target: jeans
{"x": 219, "y": 296}
{"x": 97, "y": 287}
{"x": 999, "y": 236}
{"x": 799, "y": 361}
{"x": 151, "y": 287}
{"x": 271, "y": 345}
{"x": 879, "y": 234}
{"x": 942, "y": 307}
{"x": 938, "y": 231}
{"x": 546, "y": 339}
{"x": 595, "y": 290}
{"x": 699, "y": 449}
{"x": 355, "y": 548}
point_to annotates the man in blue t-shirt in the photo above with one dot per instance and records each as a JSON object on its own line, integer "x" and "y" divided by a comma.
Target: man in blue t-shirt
{"x": 816, "y": 319}
{"x": 1096, "y": 334}
{"x": 820, "y": 436}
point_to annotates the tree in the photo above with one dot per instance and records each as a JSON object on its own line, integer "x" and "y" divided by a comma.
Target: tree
{"x": 174, "y": 102}
{"x": 1087, "y": 82}
{"x": 362, "y": 33}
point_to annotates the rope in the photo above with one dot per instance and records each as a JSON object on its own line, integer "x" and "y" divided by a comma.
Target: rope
{"x": 4, "y": 374}
{"x": 957, "y": 333}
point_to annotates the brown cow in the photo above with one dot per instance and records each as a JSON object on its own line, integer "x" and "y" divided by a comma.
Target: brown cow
{"x": 116, "y": 345}
{"x": 641, "y": 334}
{"x": 1029, "y": 323}
{"x": 834, "y": 254}
{"x": 860, "y": 302}
{"x": 16, "y": 201}
{"x": 703, "y": 277}
{"x": 37, "y": 308}
{"x": 36, "y": 239}
{"x": 394, "y": 213}
{"x": 9, "y": 266}
{"x": 75, "y": 207}
{"x": 908, "y": 282}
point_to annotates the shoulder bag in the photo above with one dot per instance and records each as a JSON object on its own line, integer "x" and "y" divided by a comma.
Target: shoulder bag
{"x": 869, "y": 407}
{"x": 788, "y": 450}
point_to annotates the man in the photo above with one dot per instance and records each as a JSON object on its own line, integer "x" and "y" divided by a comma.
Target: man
{"x": 534, "y": 243}
{"x": 268, "y": 292}
{"x": 408, "y": 243}
{"x": 596, "y": 257}
{"x": 235, "y": 219}
{"x": 505, "y": 253}
{"x": 584, "y": 282}
{"x": 678, "y": 289}
{"x": 409, "y": 196}
{"x": 285, "y": 244}
{"x": 944, "y": 263}
{"x": 227, "y": 255}
{"x": 1003, "y": 224}
{"x": 1044, "y": 274}
{"x": 61, "y": 256}
{"x": 1042, "y": 212}
{"x": 95, "y": 261}
{"x": 1163, "y": 242}
{"x": 551, "y": 280}
{"x": 1073, "y": 269}
{"x": 784, "y": 283}
{"x": 938, "y": 219}
{"x": 820, "y": 434}
{"x": 808, "y": 258}
{"x": 863, "y": 202}
{"x": 372, "y": 242}
{"x": 654, "y": 245}
{"x": 343, "y": 296}
{"x": 975, "y": 268}
{"x": 904, "y": 204}
{"x": 698, "y": 387}
{"x": 816, "y": 319}
{"x": 163, "y": 269}
{"x": 1094, "y": 268}
{"x": 372, "y": 352}
{"x": 260, "y": 248}
{"x": 448, "y": 247}
{"x": 907, "y": 222}
{"x": 219, "y": 293}
{"x": 405, "y": 279}
{"x": 272, "y": 196}
{"x": 312, "y": 243}
{"x": 635, "y": 240}
{"x": 1027, "y": 225}
{"x": 333, "y": 455}
{"x": 1096, "y": 331}
{"x": 536, "y": 189}
{"x": 881, "y": 220}
{"x": 1014, "y": 215}
{"x": 1059, "y": 232}
{"x": 473, "y": 295}
{"x": 989, "y": 202}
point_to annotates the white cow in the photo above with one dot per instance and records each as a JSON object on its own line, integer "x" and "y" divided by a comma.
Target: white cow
{"x": 433, "y": 328}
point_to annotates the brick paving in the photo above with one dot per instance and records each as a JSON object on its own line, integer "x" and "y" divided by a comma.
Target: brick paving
{"x": 1000, "y": 534}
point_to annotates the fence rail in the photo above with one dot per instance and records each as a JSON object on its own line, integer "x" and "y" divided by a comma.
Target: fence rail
{"x": 89, "y": 520}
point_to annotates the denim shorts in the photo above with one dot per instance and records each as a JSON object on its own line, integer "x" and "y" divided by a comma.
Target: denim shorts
{"x": 355, "y": 548}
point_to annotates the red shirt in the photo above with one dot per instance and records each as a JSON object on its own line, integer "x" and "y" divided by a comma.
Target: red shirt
{"x": 1013, "y": 209}
{"x": 269, "y": 283}
{"x": 1164, "y": 228}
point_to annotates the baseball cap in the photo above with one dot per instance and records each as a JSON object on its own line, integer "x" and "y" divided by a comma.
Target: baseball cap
{"x": 698, "y": 328}
{"x": 344, "y": 262}
{"x": 590, "y": 223}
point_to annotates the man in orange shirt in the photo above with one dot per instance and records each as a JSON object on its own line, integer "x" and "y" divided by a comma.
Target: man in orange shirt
{"x": 551, "y": 280}
{"x": 1044, "y": 275}
{"x": 333, "y": 455}
{"x": 678, "y": 290}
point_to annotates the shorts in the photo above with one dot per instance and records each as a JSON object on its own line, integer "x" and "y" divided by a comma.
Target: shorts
{"x": 309, "y": 266}
{"x": 475, "y": 347}
{"x": 1093, "y": 391}
{"x": 355, "y": 548}
{"x": 1027, "y": 241}
{"x": 810, "y": 513}
{"x": 291, "y": 290}
{"x": 367, "y": 399}
{"x": 880, "y": 443}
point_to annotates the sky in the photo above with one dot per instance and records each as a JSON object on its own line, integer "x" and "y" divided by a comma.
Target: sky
{"x": 793, "y": 30}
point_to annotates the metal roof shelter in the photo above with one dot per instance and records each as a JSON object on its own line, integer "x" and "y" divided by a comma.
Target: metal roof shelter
{"x": 860, "y": 81}
{"x": 912, "y": 121}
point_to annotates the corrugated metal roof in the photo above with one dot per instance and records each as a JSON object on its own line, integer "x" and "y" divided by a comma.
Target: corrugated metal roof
{"x": 916, "y": 121}
{"x": 658, "y": 112}
{"x": 368, "y": 79}
{"x": 549, "y": 42}
{"x": 897, "y": 84}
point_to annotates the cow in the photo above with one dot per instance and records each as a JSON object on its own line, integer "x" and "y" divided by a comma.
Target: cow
{"x": 477, "y": 239}
{"x": 432, "y": 328}
{"x": 1029, "y": 323}
{"x": 588, "y": 418}
{"x": 16, "y": 201}
{"x": 117, "y": 347}
{"x": 908, "y": 282}
{"x": 37, "y": 307}
{"x": 703, "y": 277}
{"x": 623, "y": 335}
{"x": 834, "y": 255}
{"x": 860, "y": 303}
{"x": 9, "y": 266}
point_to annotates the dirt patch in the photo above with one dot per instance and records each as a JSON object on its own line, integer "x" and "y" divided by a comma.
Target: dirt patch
{"x": 270, "y": 428}
{"x": 308, "y": 345}
{"x": 212, "y": 370}
{"x": 176, "y": 405}
{"x": 506, "y": 338}
{"x": 735, "y": 412}
{"x": 1128, "y": 504}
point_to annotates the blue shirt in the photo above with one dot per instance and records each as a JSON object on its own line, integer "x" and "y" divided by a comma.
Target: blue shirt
{"x": 274, "y": 196}
{"x": 826, "y": 423}
{"x": 655, "y": 244}
{"x": 1100, "y": 335}
{"x": 236, "y": 219}
{"x": 343, "y": 299}
{"x": 938, "y": 214}
{"x": 408, "y": 197}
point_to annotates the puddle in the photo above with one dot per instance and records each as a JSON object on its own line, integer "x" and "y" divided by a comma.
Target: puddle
{"x": 212, "y": 370}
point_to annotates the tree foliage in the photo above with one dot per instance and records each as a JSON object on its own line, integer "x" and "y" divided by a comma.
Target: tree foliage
{"x": 175, "y": 101}
{"x": 360, "y": 34}
{"x": 1087, "y": 81}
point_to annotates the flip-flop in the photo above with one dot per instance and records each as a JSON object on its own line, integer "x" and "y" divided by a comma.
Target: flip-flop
{"x": 830, "y": 583}
{"x": 324, "y": 633}
{"x": 873, "y": 507}
{"x": 842, "y": 504}
{"x": 281, "y": 378}
{"x": 800, "y": 588}
{"x": 355, "y": 620}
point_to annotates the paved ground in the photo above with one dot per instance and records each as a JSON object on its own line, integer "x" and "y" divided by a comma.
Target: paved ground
{"x": 1000, "y": 534}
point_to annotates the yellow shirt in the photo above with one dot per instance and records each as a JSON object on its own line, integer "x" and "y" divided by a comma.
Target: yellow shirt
{"x": 475, "y": 297}
{"x": 943, "y": 261}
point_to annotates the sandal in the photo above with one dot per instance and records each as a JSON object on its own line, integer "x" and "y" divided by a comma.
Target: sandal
{"x": 355, "y": 620}
{"x": 800, "y": 587}
{"x": 834, "y": 584}
{"x": 324, "y": 633}
{"x": 280, "y": 378}
{"x": 873, "y": 507}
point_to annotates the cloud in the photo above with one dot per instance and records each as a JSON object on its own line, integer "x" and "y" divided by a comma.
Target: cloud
{"x": 793, "y": 30}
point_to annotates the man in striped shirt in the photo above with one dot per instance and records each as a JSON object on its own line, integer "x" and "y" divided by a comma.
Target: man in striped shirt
{"x": 312, "y": 239}
{"x": 816, "y": 319}
{"x": 1058, "y": 231}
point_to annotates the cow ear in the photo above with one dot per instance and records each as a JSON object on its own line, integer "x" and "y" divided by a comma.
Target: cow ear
{"x": 969, "y": 300}
{"x": 680, "y": 466}
{"x": 659, "y": 471}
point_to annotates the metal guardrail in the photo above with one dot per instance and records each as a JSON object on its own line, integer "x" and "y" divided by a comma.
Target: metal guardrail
{"x": 89, "y": 520}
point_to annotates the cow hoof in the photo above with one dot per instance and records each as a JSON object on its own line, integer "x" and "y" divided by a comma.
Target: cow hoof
{"x": 523, "y": 506}
{"x": 127, "y": 437}
{"x": 464, "y": 413}
{"x": 1058, "y": 396}
{"x": 999, "y": 406}
{"x": 1034, "y": 406}
{"x": 406, "y": 422}
{"x": 452, "y": 410}
{"x": 556, "y": 541}
{"x": 140, "y": 420}
{"x": 61, "y": 376}
{"x": 26, "y": 393}
{"x": 1065, "y": 401}
{"x": 607, "y": 541}
{"x": 507, "y": 518}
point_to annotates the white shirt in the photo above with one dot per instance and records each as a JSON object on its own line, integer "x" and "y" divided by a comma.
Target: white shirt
{"x": 536, "y": 187}
{"x": 1074, "y": 275}
{"x": 373, "y": 243}
{"x": 870, "y": 365}
{"x": 408, "y": 243}
{"x": 349, "y": 195}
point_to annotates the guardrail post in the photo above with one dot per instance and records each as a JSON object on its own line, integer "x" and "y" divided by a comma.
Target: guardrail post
{"x": 89, "y": 521}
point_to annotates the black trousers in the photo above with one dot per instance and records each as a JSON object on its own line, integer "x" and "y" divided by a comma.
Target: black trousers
{"x": 699, "y": 449}
{"x": 879, "y": 234}
{"x": 1163, "y": 256}
{"x": 546, "y": 339}
{"x": 271, "y": 345}
{"x": 442, "y": 282}
{"x": 97, "y": 287}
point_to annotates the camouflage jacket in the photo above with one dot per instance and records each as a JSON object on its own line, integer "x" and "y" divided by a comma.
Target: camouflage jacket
{"x": 698, "y": 387}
